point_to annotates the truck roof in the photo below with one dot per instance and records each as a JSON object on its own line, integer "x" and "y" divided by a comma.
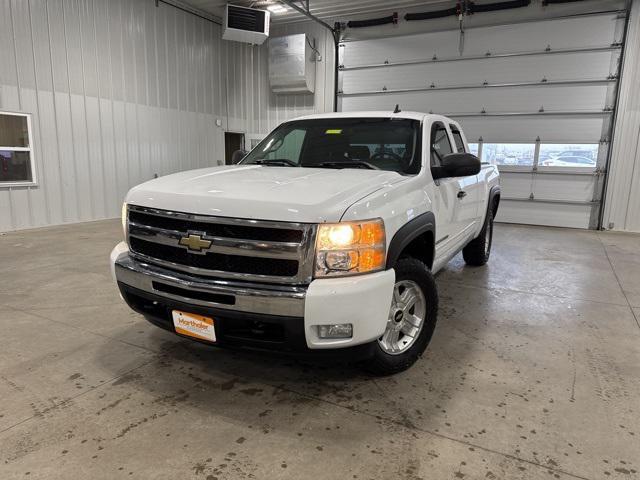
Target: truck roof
{"x": 384, "y": 113}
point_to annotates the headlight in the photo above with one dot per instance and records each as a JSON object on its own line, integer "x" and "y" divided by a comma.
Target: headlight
{"x": 124, "y": 219}
{"x": 349, "y": 248}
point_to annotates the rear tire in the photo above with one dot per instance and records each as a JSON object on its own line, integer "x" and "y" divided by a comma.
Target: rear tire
{"x": 396, "y": 351}
{"x": 478, "y": 250}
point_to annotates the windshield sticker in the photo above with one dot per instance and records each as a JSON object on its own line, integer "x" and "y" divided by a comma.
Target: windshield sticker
{"x": 333, "y": 131}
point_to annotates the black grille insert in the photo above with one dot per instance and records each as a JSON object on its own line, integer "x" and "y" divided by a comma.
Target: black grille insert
{"x": 246, "y": 329}
{"x": 216, "y": 261}
{"x": 246, "y": 19}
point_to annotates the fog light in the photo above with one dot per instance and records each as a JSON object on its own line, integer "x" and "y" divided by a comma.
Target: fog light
{"x": 341, "y": 330}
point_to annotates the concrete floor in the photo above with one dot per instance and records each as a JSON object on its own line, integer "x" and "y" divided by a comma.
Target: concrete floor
{"x": 533, "y": 372}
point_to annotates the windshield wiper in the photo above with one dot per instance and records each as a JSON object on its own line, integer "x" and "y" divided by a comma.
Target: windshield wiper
{"x": 281, "y": 162}
{"x": 347, "y": 164}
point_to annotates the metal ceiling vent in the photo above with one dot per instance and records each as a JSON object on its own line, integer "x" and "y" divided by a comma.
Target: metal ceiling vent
{"x": 243, "y": 24}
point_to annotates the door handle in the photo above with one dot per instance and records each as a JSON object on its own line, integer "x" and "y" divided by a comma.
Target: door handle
{"x": 462, "y": 194}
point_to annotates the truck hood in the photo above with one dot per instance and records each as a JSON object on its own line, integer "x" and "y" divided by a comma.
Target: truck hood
{"x": 291, "y": 194}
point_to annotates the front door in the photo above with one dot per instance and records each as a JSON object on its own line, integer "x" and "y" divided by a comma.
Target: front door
{"x": 469, "y": 194}
{"x": 454, "y": 202}
{"x": 232, "y": 142}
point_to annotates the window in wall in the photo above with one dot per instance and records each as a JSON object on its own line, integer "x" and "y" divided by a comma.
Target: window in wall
{"x": 508, "y": 154}
{"x": 440, "y": 145}
{"x": 568, "y": 155}
{"x": 16, "y": 159}
{"x": 253, "y": 139}
{"x": 457, "y": 137}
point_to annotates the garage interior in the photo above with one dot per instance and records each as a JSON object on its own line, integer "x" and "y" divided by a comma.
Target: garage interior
{"x": 534, "y": 368}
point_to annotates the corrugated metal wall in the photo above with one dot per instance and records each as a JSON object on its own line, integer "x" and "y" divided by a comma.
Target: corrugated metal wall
{"x": 119, "y": 90}
{"x": 622, "y": 207}
{"x": 253, "y": 108}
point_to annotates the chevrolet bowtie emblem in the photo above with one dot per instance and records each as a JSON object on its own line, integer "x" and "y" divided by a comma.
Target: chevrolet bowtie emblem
{"x": 195, "y": 242}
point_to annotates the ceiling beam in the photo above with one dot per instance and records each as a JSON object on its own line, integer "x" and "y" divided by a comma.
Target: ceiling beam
{"x": 308, "y": 14}
{"x": 185, "y": 7}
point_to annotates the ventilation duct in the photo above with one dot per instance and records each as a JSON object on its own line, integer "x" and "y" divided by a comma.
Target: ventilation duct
{"x": 471, "y": 8}
{"x": 552, "y": 2}
{"x": 494, "y": 7}
{"x": 431, "y": 15}
{"x": 292, "y": 65}
{"x": 372, "y": 22}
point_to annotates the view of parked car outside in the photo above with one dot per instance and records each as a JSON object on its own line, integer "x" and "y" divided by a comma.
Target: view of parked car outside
{"x": 551, "y": 155}
{"x": 508, "y": 153}
{"x": 562, "y": 155}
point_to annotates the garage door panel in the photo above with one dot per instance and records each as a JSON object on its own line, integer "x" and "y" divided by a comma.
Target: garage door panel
{"x": 410, "y": 47}
{"x": 593, "y": 65}
{"x": 564, "y": 187}
{"x": 565, "y": 33}
{"x": 526, "y": 129}
{"x": 522, "y": 99}
{"x": 566, "y": 107}
{"x": 540, "y": 213}
{"x": 550, "y": 129}
{"x": 515, "y": 185}
{"x": 596, "y": 31}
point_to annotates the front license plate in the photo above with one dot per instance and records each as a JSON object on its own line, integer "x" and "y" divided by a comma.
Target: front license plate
{"x": 194, "y": 325}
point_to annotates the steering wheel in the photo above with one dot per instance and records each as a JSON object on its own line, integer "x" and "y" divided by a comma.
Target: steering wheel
{"x": 368, "y": 164}
{"x": 385, "y": 154}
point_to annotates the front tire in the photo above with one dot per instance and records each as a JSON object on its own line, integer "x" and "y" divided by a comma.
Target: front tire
{"x": 477, "y": 251}
{"x": 411, "y": 322}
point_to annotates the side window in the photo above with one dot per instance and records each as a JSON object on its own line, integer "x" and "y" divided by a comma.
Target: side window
{"x": 457, "y": 137}
{"x": 440, "y": 145}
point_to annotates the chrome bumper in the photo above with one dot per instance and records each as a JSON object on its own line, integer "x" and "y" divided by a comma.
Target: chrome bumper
{"x": 246, "y": 297}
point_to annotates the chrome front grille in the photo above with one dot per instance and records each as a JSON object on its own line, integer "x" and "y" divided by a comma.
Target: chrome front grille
{"x": 242, "y": 249}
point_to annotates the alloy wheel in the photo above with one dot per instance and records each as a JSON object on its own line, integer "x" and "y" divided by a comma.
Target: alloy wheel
{"x": 406, "y": 318}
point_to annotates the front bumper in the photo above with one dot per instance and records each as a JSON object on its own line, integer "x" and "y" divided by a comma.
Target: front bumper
{"x": 265, "y": 316}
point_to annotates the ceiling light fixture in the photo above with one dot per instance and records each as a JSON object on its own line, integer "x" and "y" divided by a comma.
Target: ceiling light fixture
{"x": 276, "y": 8}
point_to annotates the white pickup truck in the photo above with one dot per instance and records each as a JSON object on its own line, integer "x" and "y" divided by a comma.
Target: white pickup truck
{"x": 323, "y": 239}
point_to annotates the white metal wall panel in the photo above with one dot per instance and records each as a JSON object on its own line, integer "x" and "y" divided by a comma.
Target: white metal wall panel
{"x": 572, "y": 111}
{"x": 119, "y": 91}
{"x": 622, "y": 206}
{"x": 123, "y": 90}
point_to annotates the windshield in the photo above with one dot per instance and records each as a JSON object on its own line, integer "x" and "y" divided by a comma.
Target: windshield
{"x": 372, "y": 143}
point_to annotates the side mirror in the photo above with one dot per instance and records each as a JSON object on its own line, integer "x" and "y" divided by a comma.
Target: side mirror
{"x": 237, "y": 156}
{"x": 457, "y": 165}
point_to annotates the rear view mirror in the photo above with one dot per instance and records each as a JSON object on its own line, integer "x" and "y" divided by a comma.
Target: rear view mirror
{"x": 457, "y": 165}
{"x": 237, "y": 156}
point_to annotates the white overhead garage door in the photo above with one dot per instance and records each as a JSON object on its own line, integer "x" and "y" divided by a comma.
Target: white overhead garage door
{"x": 534, "y": 98}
